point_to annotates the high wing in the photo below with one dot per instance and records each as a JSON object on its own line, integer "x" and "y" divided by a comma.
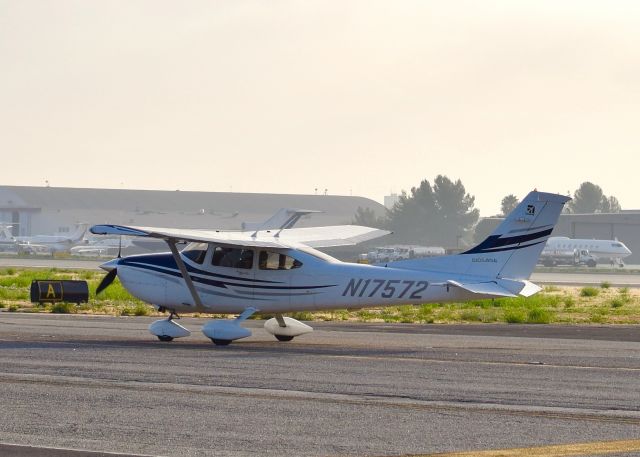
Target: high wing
{"x": 315, "y": 237}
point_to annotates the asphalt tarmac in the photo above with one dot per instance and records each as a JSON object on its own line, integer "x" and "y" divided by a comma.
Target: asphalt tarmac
{"x": 104, "y": 384}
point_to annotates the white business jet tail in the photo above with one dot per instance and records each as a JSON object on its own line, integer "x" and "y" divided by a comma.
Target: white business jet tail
{"x": 78, "y": 234}
{"x": 510, "y": 253}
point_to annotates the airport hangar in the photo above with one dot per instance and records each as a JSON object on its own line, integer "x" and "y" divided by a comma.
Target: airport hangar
{"x": 56, "y": 210}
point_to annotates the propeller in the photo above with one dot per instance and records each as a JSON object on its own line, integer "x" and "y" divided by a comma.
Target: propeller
{"x": 107, "y": 280}
{"x": 112, "y": 271}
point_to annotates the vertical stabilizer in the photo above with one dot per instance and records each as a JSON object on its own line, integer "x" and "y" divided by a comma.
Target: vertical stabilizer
{"x": 514, "y": 247}
{"x": 78, "y": 234}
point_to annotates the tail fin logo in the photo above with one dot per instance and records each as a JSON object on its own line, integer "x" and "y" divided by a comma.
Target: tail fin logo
{"x": 531, "y": 210}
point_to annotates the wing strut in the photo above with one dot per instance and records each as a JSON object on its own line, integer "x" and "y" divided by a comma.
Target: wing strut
{"x": 183, "y": 269}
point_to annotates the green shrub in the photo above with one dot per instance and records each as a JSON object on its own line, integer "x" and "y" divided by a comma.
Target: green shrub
{"x": 589, "y": 292}
{"x": 425, "y": 314}
{"x": 141, "y": 310}
{"x": 13, "y": 308}
{"x": 515, "y": 316}
{"x": 471, "y": 315}
{"x": 605, "y": 284}
{"x": 569, "y": 301}
{"x": 617, "y": 302}
{"x": 303, "y": 316}
{"x": 63, "y": 308}
{"x": 624, "y": 290}
{"x": 539, "y": 316}
{"x": 3, "y": 305}
{"x": 366, "y": 315}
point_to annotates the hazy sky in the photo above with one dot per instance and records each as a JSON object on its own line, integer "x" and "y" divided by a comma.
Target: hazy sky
{"x": 358, "y": 97}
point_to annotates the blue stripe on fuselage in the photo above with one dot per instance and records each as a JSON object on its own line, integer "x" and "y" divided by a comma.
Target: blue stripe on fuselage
{"x": 165, "y": 263}
{"x": 494, "y": 242}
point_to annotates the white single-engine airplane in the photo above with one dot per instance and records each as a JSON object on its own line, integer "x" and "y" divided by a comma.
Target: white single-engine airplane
{"x": 278, "y": 270}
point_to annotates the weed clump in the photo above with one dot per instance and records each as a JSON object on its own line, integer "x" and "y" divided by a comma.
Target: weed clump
{"x": 589, "y": 292}
{"x": 515, "y": 316}
{"x": 569, "y": 301}
{"x": 617, "y": 302}
{"x": 63, "y": 308}
{"x": 539, "y": 316}
{"x": 141, "y": 310}
{"x": 605, "y": 284}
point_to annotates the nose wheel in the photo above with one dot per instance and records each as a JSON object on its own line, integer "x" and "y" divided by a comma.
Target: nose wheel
{"x": 167, "y": 329}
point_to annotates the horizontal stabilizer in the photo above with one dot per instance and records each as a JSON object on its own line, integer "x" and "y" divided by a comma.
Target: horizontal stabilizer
{"x": 483, "y": 288}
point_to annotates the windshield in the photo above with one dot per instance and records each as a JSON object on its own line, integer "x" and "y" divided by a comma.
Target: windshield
{"x": 195, "y": 252}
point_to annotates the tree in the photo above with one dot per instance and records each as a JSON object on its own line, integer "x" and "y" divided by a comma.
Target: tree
{"x": 368, "y": 218}
{"x": 440, "y": 215}
{"x": 589, "y": 198}
{"x": 611, "y": 205}
{"x": 411, "y": 217}
{"x": 508, "y": 204}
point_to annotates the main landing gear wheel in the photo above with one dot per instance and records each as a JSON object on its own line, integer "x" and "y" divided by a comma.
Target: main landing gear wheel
{"x": 219, "y": 342}
{"x": 165, "y": 338}
{"x": 284, "y": 337}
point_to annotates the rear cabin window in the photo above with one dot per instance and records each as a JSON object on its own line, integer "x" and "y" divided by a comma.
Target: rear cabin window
{"x": 195, "y": 252}
{"x": 232, "y": 257}
{"x": 276, "y": 261}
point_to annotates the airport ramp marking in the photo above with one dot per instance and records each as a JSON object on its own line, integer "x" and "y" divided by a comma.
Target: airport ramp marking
{"x": 562, "y": 450}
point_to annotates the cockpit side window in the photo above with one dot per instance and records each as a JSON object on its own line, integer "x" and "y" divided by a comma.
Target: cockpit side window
{"x": 276, "y": 261}
{"x": 196, "y": 252}
{"x": 232, "y": 257}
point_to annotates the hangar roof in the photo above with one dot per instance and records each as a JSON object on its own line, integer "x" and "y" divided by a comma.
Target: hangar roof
{"x": 247, "y": 207}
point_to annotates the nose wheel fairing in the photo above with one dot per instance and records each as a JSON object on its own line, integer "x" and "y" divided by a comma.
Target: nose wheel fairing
{"x": 168, "y": 329}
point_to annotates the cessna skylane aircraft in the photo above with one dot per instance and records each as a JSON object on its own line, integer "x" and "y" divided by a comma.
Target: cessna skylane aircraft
{"x": 278, "y": 270}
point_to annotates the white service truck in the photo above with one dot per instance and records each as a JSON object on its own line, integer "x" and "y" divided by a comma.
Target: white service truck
{"x": 575, "y": 257}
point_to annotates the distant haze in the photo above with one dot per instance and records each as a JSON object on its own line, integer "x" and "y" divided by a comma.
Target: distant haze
{"x": 357, "y": 97}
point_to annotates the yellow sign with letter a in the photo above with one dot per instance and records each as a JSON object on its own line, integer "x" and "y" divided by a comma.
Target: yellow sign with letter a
{"x": 50, "y": 290}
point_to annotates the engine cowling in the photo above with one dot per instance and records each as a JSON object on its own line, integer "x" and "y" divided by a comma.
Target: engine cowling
{"x": 225, "y": 329}
{"x": 292, "y": 327}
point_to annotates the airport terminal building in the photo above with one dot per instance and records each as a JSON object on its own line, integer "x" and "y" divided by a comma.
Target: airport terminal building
{"x": 56, "y": 210}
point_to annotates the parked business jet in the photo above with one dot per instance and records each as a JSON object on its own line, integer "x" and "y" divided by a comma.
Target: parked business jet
{"x": 603, "y": 250}
{"x": 55, "y": 243}
{"x": 7, "y": 240}
{"x": 275, "y": 271}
